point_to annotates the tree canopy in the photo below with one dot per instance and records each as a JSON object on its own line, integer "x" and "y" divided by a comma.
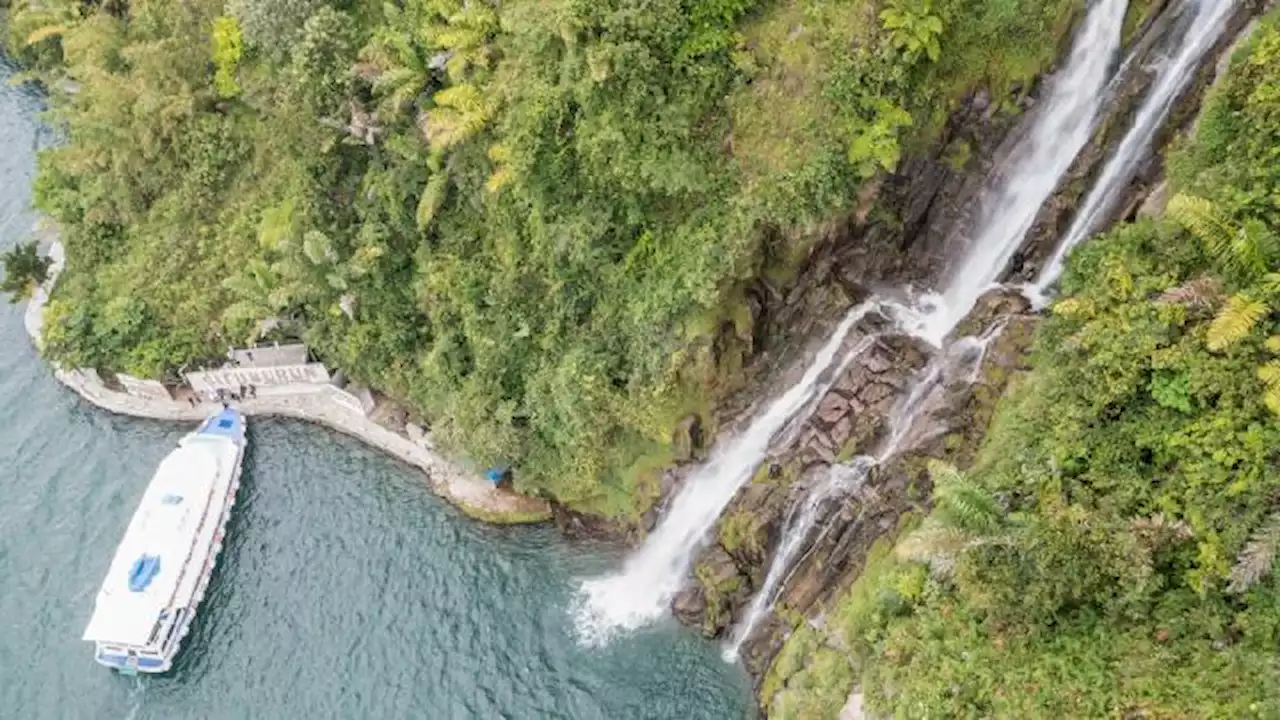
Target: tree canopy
{"x": 24, "y": 270}
{"x": 530, "y": 221}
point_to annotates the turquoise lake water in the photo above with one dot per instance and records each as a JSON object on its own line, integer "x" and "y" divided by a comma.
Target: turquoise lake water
{"x": 346, "y": 590}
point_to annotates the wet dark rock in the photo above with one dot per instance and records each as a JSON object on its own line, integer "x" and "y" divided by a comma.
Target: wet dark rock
{"x": 1055, "y": 217}
{"x": 841, "y": 432}
{"x": 582, "y": 527}
{"x": 690, "y": 605}
{"x": 687, "y": 439}
{"x": 995, "y": 304}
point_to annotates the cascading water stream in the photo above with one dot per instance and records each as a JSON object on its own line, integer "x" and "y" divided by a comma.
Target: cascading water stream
{"x": 841, "y": 480}
{"x": 652, "y": 575}
{"x": 1036, "y": 166}
{"x": 1202, "y": 32}
{"x": 961, "y": 358}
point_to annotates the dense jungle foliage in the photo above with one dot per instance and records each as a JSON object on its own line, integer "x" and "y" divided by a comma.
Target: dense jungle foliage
{"x": 532, "y": 221}
{"x": 1110, "y": 554}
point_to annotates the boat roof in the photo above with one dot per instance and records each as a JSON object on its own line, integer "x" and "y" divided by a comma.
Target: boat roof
{"x": 148, "y": 565}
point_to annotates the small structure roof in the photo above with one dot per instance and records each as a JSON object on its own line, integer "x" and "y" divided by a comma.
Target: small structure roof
{"x": 270, "y": 355}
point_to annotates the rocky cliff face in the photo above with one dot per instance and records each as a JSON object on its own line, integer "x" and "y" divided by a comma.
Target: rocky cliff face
{"x": 852, "y": 419}
{"x": 934, "y": 202}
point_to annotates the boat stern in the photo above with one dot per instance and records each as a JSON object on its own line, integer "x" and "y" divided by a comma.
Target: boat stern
{"x": 130, "y": 662}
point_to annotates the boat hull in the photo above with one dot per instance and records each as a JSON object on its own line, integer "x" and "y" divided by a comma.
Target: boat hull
{"x": 116, "y": 645}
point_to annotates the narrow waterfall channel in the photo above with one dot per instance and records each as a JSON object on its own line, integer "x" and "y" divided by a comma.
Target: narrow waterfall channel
{"x": 650, "y": 577}
{"x": 1202, "y": 30}
{"x": 1036, "y": 167}
{"x": 653, "y": 574}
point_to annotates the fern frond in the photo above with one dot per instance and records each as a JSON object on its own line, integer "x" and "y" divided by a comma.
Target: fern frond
{"x": 45, "y": 33}
{"x": 1271, "y": 398}
{"x": 1270, "y": 373}
{"x": 960, "y": 503}
{"x": 1249, "y": 249}
{"x": 1235, "y": 321}
{"x": 464, "y": 97}
{"x": 433, "y": 197}
{"x": 1203, "y": 220}
{"x": 1254, "y": 561}
{"x": 1270, "y": 284}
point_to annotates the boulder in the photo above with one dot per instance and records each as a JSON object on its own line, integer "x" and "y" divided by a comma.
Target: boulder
{"x": 832, "y": 408}
{"x": 690, "y": 605}
{"x": 723, "y": 587}
{"x": 841, "y": 432}
{"x": 873, "y": 394}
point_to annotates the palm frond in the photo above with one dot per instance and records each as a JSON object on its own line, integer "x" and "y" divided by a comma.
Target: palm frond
{"x": 1254, "y": 561}
{"x": 433, "y": 197}
{"x": 45, "y": 33}
{"x": 1270, "y": 373}
{"x": 1235, "y": 321}
{"x": 935, "y": 544}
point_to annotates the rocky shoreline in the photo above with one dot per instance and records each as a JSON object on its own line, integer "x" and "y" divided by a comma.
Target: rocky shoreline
{"x": 322, "y": 405}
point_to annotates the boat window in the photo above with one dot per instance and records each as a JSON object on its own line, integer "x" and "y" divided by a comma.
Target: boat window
{"x": 172, "y": 499}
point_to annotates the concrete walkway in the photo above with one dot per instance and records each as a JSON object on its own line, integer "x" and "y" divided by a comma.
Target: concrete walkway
{"x": 321, "y": 404}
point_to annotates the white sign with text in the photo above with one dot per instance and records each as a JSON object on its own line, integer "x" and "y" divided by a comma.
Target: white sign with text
{"x": 232, "y": 379}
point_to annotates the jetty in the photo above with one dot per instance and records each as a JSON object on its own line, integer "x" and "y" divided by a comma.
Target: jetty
{"x": 285, "y": 384}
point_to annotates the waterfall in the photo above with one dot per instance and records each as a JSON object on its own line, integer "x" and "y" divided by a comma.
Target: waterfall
{"x": 1203, "y": 30}
{"x": 1036, "y": 166}
{"x": 655, "y": 572}
{"x": 841, "y": 480}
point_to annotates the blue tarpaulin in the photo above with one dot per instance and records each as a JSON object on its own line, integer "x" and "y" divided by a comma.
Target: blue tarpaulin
{"x": 143, "y": 570}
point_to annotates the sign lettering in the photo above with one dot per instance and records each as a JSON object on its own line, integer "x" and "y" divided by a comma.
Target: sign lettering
{"x": 232, "y": 379}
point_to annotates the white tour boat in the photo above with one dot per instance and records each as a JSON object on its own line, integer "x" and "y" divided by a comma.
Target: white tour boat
{"x": 162, "y": 568}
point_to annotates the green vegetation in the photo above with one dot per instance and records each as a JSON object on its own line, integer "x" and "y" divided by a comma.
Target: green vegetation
{"x": 1110, "y": 553}
{"x": 739, "y": 531}
{"x": 531, "y": 221}
{"x": 24, "y": 270}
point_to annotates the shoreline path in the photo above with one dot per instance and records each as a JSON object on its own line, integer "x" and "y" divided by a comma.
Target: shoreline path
{"x": 317, "y": 404}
